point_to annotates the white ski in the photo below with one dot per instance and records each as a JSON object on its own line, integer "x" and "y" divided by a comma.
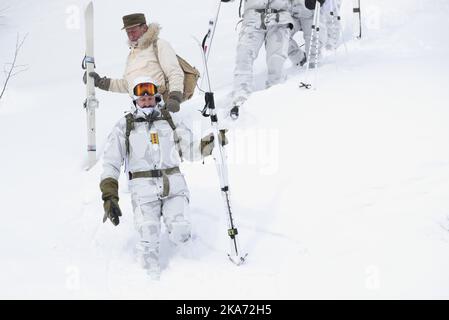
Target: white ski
{"x": 91, "y": 102}
{"x": 357, "y": 20}
{"x": 236, "y": 256}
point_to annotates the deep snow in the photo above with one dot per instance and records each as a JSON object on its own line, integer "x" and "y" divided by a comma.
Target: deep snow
{"x": 339, "y": 192}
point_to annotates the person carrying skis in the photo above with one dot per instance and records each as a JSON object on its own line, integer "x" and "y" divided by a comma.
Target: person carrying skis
{"x": 266, "y": 22}
{"x": 149, "y": 55}
{"x": 151, "y": 143}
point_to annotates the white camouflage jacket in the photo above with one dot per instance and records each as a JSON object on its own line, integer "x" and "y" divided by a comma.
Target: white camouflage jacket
{"x": 145, "y": 154}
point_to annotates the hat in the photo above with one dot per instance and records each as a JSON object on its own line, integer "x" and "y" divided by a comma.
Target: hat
{"x": 132, "y": 20}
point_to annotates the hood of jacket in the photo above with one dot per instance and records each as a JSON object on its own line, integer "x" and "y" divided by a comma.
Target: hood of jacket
{"x": 147, "y": 38}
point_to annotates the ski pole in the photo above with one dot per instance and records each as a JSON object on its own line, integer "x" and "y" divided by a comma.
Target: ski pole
{"x": 209, "y": 36}
{"x": 358, "y": 14}
{"x": 315, "y": 28}
{"x": 317, "y": 44}
{"x": 211, "y": 32}
{"x": 222, "y": 170}
{"x": 220, "y": 160}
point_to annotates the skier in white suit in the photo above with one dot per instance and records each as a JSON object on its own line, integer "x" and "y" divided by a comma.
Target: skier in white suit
{"x": 266, "y": 22}
{"x": 151, "y": 144}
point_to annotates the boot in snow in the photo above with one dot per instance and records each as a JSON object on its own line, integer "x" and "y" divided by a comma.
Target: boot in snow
{"x": 154, "y": 272}
{"x": 150, "y": 262}
{"x": 234, "y": 113}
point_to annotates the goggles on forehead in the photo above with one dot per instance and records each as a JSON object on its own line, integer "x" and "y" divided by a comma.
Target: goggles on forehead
{"x": 145, "y": 88}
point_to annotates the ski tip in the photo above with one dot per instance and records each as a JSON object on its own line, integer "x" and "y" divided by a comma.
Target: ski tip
{"x": 237, "y": 260}
{"x": 90, "y": 6}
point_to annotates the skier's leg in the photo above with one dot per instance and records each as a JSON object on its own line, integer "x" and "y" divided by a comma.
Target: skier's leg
{"x": 306, "y": 24}
{"x": 178, "y": 226}
{"x": 333, "y": 25}
{"x": 276, "y": 45}
{"x": 147, "y": 223}
{"x": 295, "y": 54}
{"x": 250, "y": 41}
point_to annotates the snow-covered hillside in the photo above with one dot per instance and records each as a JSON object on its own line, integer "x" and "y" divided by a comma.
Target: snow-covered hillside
{"x": 338, "y": 192}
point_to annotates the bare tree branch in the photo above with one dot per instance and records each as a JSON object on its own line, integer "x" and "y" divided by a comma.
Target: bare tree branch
{"x": 4, "y": 9}
{"x": 2, "y": 14}
{"x": 18, "y": 71}
{"x": 12, "y": 71}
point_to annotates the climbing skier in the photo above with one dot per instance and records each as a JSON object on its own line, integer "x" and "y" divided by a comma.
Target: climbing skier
{"x": 266, "y": 22}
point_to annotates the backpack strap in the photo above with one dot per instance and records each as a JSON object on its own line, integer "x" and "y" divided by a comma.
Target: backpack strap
{"x": 156, "y": 52}
{"x": 129, "y": 127}
{"x": 167, "y": 117}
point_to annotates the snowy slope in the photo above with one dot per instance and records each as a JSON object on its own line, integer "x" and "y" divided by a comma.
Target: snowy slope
{"x": 339, "y": 192}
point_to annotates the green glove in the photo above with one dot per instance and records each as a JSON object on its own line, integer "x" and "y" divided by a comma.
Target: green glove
{"x": 109, "y": 190}
{"x": 174, "y": 101}
{"x": 207, "y": 143}
{"x": 101, "y": 83}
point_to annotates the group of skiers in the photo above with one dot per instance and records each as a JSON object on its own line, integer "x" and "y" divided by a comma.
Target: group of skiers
{"x": 274, "y": 23}
{"x": 151, "y": 140}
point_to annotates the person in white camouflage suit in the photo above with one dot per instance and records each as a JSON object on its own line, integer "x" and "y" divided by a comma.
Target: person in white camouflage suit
{"x": 330, "y": 29}
{"x": 266, "y": 22}
{"x": 151, "y": 143}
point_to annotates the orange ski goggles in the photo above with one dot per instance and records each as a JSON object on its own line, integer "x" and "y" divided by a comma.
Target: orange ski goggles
{"x": 145, "y": 88}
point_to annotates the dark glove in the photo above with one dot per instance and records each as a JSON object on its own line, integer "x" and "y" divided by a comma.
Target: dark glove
{"x": 310, "y": 4}
{"x": 101, "y": 83}
{"x": 174, "y": 101}
{"x": 207, "y": 143}
{"x": 109, "y": 190}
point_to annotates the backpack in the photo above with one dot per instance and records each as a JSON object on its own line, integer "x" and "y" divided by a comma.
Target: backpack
{"x": 191, "y": 74}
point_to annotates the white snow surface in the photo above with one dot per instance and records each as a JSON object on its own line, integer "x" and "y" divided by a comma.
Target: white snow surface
{"x": 338, "y": 192}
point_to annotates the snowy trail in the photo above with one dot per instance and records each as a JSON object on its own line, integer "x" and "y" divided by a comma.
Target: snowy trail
{"x": 339, "y": 192}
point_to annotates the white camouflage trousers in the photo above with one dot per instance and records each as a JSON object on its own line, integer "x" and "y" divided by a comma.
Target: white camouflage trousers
{"x": 147, "y": 221}
{"x": 333, "y": 25}
{"x": 329, "y": 36}
{"x": 251, "y": 38}
{"x": 305, "y": 24}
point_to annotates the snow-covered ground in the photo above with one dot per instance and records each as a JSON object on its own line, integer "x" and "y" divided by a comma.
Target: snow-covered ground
{"x": 338, "y": 192}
